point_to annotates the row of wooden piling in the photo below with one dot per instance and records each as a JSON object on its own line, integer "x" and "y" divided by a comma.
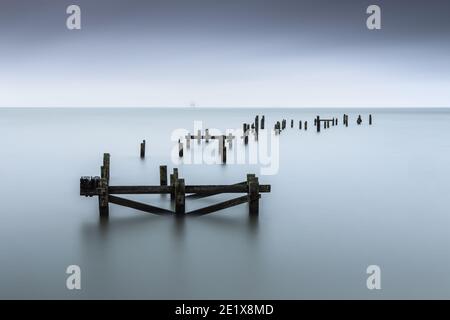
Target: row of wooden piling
{"x": 258, "y": 124}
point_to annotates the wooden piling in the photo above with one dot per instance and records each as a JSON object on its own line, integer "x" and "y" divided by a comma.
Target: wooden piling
{"x": 262, "y": 122}
{"x": 143, "y": 149}
{"x": 180, "y": 148}
{"x": 370, "y": 119}
{"x": 180, "y": 197}
{"x": 300, "y": 125}
{"x": 253, "y": 194}
{"x": 163, "y": 175}
{"x": 292, "y": 123}
{"x": 224, "y": 149}
{"x": 103, "y": 201}
{"x": 318, "y": 123}
{"x": 306, "y": 125}
{"x": 230, "y": 140}
{"x": 246, "y": 132}
{"x": 188, "y": 140}
{"x": 173, "y": 179}
{"x": 106, "y": 163}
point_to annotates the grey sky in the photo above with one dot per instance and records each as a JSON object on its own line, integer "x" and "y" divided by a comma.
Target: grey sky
{"x": 275, "y": 53}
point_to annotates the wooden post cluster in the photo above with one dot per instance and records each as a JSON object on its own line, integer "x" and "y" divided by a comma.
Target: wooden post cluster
{"x": 99, "y": 186}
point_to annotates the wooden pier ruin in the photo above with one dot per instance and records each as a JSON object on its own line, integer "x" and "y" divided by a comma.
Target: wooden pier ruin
{"x": 179, "y": 191}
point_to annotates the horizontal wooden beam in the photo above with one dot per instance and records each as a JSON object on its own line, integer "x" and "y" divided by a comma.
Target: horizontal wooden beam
{"x": 220, "y": 206}
{"x": 138, "y": 206}
{"x": 197, "y": 189}
{"x": 139, "y": 189}
{"x": 204, "y": 195}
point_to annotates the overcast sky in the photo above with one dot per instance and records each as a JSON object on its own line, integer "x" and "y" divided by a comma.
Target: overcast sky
{"x": 230, "y": 53}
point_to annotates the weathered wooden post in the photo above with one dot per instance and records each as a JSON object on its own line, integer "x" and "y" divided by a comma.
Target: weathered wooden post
{"x": 262, "y": 122}
{"x": 283, "y": 124}
{"x": 173, "y": 179}
{"x": 103, "y": 201}
{"x": 359, "y": 120}
{"x": 318, "y": 123}
{"x": 292, "y": 123}
{"x": 277, "y": 127}
{"x": 257, "y": 123}
{"x": 207, "y": 136}
{"x": 180, "y": 148}
{"x": 306, "y": 125}
{"x": 143, "y": 149}
{"x": 246, "y": 133}
{"x": 106, "y": 163}
{"x": 370, "y": 119}
{"x": 224, "y": 149}
{"x": 188, "y": 140}
{"x": 163, "y": 175}
{"x": 230, "y": 140}
{"x": 300, "y": 125}
{"x": 253, "y": 194}
{"x": 180, "y": 197}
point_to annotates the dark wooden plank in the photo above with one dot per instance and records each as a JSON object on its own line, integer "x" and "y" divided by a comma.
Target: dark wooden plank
{"x": 197, "y": 189}
{"x": 204, "y": 195}
{"x": 219, "y": 206}
{"x": 138, "y": 206}
{"x": 140, "y": 189}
